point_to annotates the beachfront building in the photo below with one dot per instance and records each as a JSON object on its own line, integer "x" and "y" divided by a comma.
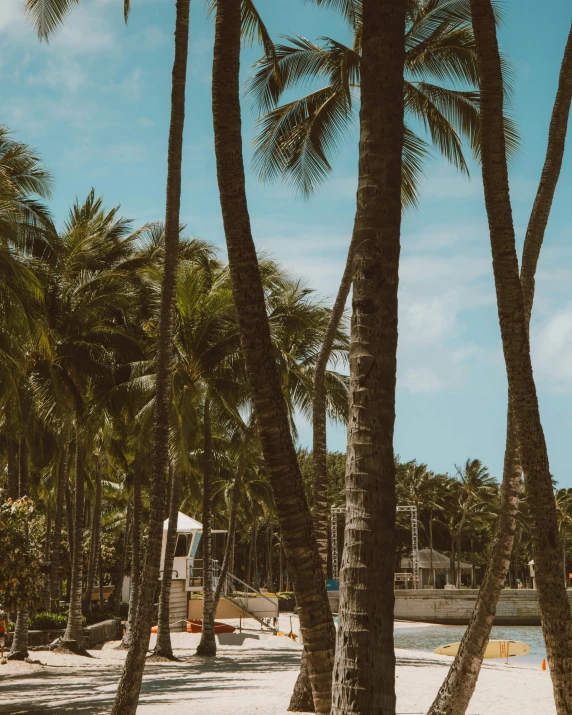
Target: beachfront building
{"x": 434, "y": 570}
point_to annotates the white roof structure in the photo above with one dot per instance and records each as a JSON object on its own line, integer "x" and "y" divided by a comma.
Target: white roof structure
{"x": 185, "y": 525}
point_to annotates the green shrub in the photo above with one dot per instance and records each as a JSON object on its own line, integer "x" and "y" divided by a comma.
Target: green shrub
{"x": 48, "y": 621}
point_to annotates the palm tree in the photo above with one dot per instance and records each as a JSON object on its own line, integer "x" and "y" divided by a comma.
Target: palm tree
{"x": 267, "y": 397}
{"x": 296, "y": 140}
{"x": 555, "y": 609}
{"x": 130, "y": 683}
{"x": 367, "y": 682}
{"x": 457, "y": 689}
{"x": 477, "y": 486}
{"x": 86, "y": 295}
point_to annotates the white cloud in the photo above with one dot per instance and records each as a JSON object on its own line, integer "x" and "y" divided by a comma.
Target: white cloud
{"x": 552, "y": 350}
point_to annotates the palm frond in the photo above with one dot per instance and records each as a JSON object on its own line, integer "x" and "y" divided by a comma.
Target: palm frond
{"x": 47, "y": 15}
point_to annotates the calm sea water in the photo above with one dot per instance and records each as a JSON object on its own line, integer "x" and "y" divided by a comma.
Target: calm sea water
{"x": 430, "y": 637}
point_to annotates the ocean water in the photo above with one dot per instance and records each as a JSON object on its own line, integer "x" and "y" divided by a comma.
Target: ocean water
{"x": 427, "y": 638}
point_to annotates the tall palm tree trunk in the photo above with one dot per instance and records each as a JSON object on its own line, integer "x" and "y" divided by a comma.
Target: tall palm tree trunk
{"x": 120, "y": 574}
{"x": 207, "y": 645}
{"x": 135, "y": 590}
{"x": 163, "y": 646}
{"x": 95, "y": 542}
{"x": 269, "y": 405}
{"x": 19, "y": 649}
{"x": 73, "y": 636}
{"x": 364, "y": 673}
{"x": 554, "y": 607}
{"x": 431, "y": 569}
{"x": 55, "y": 559}
{"x": 457, "y": 689}
{"x": 69, "y": 520}
{"x": 132, "y": 675}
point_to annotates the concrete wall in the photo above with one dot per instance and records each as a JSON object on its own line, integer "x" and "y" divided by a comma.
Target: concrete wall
{"x": 455, "y": 607}
{"x": 518, "y": 608}
{"x": 98, "y": 633}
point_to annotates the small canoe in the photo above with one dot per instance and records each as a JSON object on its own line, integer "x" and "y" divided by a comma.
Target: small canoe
{"x": 197, "y": 627}
{"x": 495, "y": 649}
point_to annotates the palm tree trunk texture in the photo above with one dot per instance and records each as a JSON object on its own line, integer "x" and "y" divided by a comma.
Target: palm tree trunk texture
{"x": 69, "y": 519}
{"x": 12, "y": 458}
{"x": 55, "y": 559}
{"x": 163, "y": 645}
{"x": 320, "y": 508}
{"x": 120, "y": 574}
{"x": 269, "y": 405}
{"x": 132, "y": 675}
{"x": 135, "y": 590}
{"x": 207, "y": 645}
{"x": 19, "y": 648}
{"x": 554, "y": 607}
{"x": 73, "y": 636}
{"x": 100, "y": 578}
{"x": 95, "y": 542}
{"x": 281, "y": 564}
{"x": 364, "y": 673}
{"x": 431, "y": 569}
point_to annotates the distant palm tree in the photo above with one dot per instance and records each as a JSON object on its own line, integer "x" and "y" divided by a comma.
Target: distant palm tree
{"x": 477, "y": 487}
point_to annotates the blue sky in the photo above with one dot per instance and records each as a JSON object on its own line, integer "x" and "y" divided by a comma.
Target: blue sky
{"x": 95, "y": 103}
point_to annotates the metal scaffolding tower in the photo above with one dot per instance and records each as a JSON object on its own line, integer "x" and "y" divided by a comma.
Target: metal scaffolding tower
{"x": 414, "y": 542}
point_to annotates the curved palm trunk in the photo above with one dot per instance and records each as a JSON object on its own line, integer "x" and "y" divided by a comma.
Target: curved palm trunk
{"x": 269, "y": 405}
{"x": 364, "y": 673}
{"x": 320, "y": 508}
{"x": 19, "y": 648}
{"x": 55, "y": 560}
{"x": 73, "y": 636}
{"x": 163, "y": 647}
{"x": 132, "y": 675}
{"x": 554, "y": 607}
{"x": 95, "y": 543}
{"x": 207, "y": 645}
{"x": 457, "y": 689}
{"x": 135, "y": 560}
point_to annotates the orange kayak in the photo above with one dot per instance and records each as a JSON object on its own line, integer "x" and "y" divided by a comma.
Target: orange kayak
{"x": 197, "y": 627}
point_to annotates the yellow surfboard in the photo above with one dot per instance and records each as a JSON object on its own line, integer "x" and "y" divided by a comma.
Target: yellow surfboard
{"x": 495, "y": 649}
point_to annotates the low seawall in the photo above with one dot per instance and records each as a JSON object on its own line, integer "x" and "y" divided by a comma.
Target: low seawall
{"x": 514, "y": 608}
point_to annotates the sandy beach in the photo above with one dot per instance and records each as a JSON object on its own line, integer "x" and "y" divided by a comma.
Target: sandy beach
{"x": 249, "y": 679}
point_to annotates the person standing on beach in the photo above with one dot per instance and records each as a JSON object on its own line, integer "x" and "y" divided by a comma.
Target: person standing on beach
{"x": 4, "y": 628}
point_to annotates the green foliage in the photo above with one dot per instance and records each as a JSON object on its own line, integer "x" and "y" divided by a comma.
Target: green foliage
{"x": 48, "y": 621}
{"x": 21, "y": 581}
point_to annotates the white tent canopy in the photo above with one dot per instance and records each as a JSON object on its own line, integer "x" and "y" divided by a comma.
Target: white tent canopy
{"x": 185, "y": 524}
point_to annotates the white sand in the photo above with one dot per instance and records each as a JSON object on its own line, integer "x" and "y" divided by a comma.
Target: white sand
{"x": 253, "y": 678}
